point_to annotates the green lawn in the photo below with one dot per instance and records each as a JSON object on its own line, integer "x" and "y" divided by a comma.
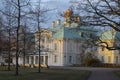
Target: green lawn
{"x": 46, "y": 74}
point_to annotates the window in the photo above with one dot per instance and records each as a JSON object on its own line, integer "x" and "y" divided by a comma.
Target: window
{"x": 7, "y": 60}
{"x": 36, "y": 59}
{"x": 109, "y": 59}
{"x": 70, "y": 59}
{"x": 103, "y": 48}
{"x": 32, "y": 60}
{"x": 42, "y": 46}
{"x": 55, "y": 59}
{"x": 82, "y": 34}
{"x": 27, "y": 60}
{"x": 47, "y": 39}
{"x": 42, "y": 40}
{"x": 47, "y": 46}
{"x": 41, "y": 58}
{"x": 91, "y": 35}
{"x": 46, "y": 59}
{"x": 55, "y": 46}
{"x": 102, "y": 59}
{"x": 116, "y": 59}
{"x": 70, "y": 46}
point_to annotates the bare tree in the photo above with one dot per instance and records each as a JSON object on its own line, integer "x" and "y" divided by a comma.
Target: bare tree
{"x": 18, "y": 12}
{"x": 1, "y": 33}
{"x": 19, "y": 5}
{"x": 37, "y": 13}
{"x": 9, "y": 21}
{"x": 26, "y": 39}
{"x": 39, "y": 18}
{"x": 103, "y": 13}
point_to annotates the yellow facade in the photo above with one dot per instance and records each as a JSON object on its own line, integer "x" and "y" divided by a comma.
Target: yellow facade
{"x": 106, "y": 55}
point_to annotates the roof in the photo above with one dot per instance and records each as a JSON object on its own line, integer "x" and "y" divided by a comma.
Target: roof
{"x": 63, "y": 32}
{"x": 109, "y": 35}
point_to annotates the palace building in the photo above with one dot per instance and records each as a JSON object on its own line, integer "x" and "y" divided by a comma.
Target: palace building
{"x": 67, "y": 43}
{"x": 63, "y": 44}
{"x": 112, "y": 38}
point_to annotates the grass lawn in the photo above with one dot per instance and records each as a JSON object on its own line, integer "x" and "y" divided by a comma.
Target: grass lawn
{"x": 46, "y": 74}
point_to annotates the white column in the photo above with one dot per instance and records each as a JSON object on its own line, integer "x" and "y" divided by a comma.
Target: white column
{"x": 44, "y": 60}
{"x": 29, "y": 59}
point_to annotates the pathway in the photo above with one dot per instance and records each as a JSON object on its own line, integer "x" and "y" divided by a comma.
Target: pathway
{"x": 97, "y": 73}
{"x": 103, "y": 74}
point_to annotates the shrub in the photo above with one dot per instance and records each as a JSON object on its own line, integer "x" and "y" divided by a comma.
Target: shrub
{"x": 91, "y": 61}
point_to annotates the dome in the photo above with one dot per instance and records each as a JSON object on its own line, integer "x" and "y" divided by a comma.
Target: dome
{"x": 68, "y": 13}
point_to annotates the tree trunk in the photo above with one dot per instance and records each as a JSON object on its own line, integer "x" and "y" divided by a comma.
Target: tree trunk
{"x": 9, "y": 52}
{"x": 17, "y": 49}
{"x": 39, "y": 69}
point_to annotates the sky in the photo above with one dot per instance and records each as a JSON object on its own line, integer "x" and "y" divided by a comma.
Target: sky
{"x": 58, "y": 6}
